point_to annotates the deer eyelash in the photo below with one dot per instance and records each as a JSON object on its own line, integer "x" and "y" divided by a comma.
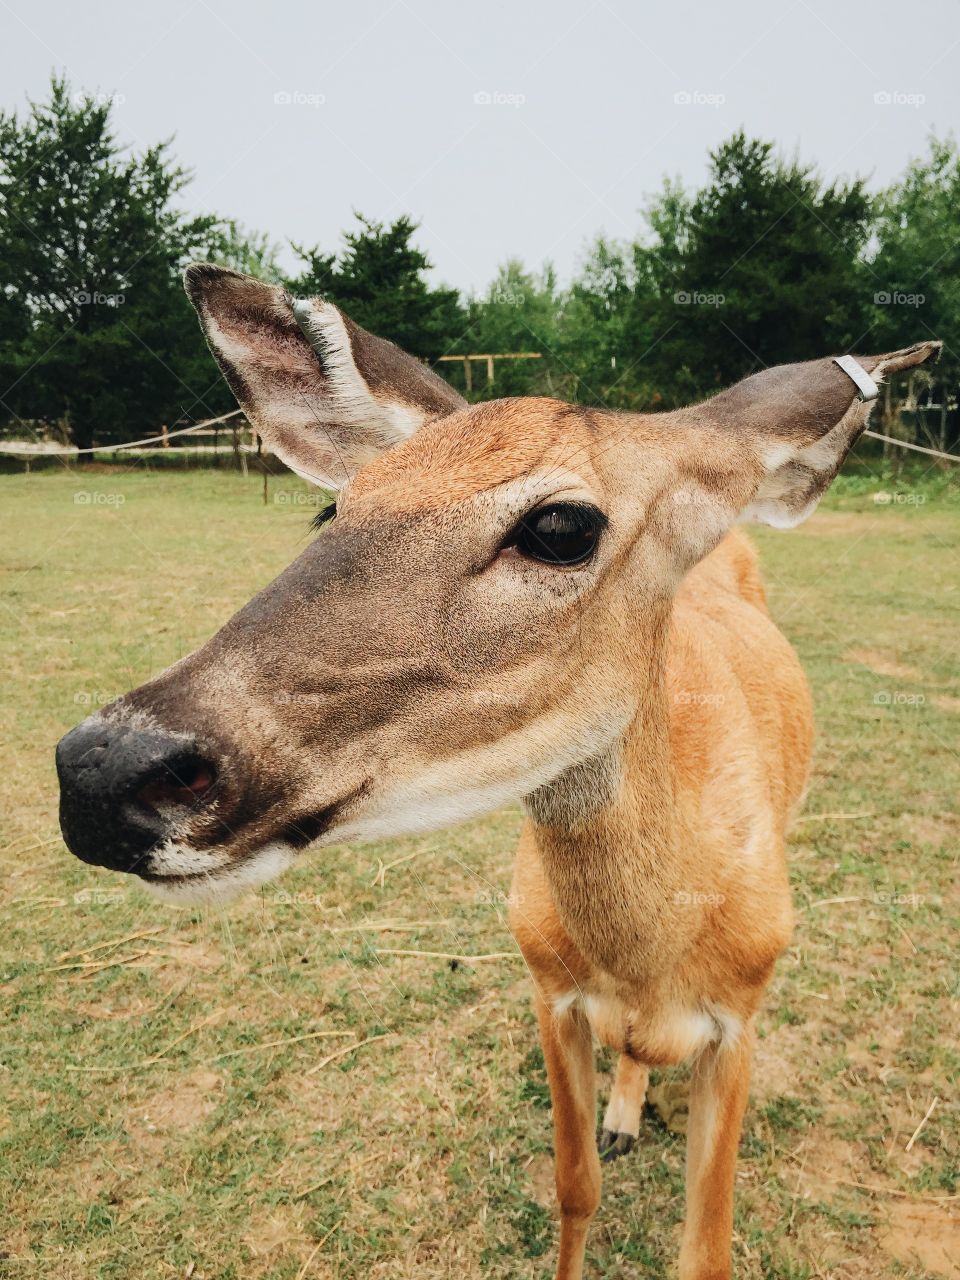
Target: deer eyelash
{"x": 324, "y": 516}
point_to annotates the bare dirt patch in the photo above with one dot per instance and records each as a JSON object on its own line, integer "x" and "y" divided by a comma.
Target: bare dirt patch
{"x": 177, "y": 1109}
{"x": 840, "y": 522}
{"x": 320, "y": 1105}
{"x": 924, "y": 1235}
{"x": 778, "y": 1059}
{"x": 273, "y": 1231}
{"x": 541, "y": 1182}
{"x": 929, "y": 828}
{"x": 825, "y": 1165}
{"x": 882, "y": 665}
{"x": 183, "y": 961}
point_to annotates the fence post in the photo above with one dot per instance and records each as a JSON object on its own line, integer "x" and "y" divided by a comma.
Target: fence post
{"x": 263, "y": 464}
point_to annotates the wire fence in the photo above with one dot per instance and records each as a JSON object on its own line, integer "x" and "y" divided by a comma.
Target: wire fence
{"x": 44, "y": 449}
{"x": 28, "y": 451}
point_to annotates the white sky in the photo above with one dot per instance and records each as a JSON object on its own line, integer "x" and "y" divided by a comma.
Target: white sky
{"x": 582, "y": 126}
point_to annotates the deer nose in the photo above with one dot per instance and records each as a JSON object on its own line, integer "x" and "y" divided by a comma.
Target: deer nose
{"x": 124, "y": 790}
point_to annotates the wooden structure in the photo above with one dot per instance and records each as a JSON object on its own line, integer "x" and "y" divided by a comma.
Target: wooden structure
{"x": 500, "y": 355}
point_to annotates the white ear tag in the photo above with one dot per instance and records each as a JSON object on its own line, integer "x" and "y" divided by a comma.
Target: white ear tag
{"x": 867, "y": 389}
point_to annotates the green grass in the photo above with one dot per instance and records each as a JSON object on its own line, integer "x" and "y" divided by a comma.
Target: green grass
{"x": 145, "y": 1128}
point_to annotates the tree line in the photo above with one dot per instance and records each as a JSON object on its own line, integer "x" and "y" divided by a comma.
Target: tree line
{"x": 765, "y": 263}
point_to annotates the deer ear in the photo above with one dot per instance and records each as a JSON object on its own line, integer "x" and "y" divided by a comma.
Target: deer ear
{"x": 325, "y": 395}
{"x": 801, "y": 421}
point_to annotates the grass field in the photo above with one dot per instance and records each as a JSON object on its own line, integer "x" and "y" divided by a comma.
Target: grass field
{"x": 179, "y": 1089}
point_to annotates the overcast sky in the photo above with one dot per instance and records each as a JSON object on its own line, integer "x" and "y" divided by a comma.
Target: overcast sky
{"x": 506, "y": 129}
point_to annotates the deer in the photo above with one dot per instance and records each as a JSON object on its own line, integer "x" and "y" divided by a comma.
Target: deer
{"x": 518, "y": 600}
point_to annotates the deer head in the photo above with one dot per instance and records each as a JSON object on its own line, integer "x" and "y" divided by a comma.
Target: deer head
{"x": 485, "y": 611}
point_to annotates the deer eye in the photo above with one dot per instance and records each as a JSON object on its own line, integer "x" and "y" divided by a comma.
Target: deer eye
{"x": 563, "y": 533}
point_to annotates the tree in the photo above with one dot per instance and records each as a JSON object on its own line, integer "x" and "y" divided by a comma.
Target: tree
{"x": 763, "y": 265}
{"x": 596, "y": 337}
{"x": 379, "y": 280}
{"x": 518, "y": 312}
{"x": 14, "y": 332}
{"x": 95, "y": 327}
{"x": 916, "y": 265}
{"x": 230, "y": 244}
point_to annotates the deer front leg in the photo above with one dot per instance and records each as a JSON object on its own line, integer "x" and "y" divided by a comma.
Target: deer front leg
{"x": 621, "y": 1123}
{"x": 718, "y": 1098}
{"x": 568, "y": 1052}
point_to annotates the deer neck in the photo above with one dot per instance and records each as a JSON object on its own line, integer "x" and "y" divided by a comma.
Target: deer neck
{"x": 609, "y": 836}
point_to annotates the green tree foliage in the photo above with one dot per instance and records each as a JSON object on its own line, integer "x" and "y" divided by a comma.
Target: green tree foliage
{"x": 763, "y": 265}
{"x": 915, "y": 271}
{"x": 519, "y": 311}
{"x": 95, "y": 328}
{"x": 598, "y": 336}
{"x": 253, "y": 252}
{"x": 379, "y": 279}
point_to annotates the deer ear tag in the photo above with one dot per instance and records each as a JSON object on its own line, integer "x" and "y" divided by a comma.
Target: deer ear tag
{"x": 867, "y": 389}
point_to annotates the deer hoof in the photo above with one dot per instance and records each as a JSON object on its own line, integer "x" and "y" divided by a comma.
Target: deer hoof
{"x": 611, "y": 1144}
